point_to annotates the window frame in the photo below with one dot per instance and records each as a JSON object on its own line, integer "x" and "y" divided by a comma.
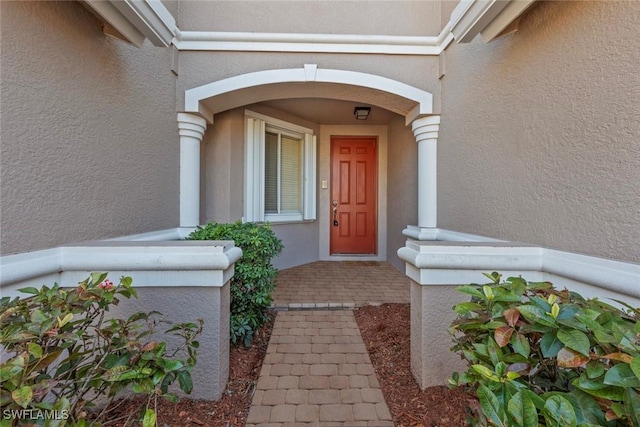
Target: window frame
{"x": 256, "y": 126}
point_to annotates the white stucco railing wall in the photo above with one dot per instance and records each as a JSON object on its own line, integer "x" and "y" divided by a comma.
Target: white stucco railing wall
{"x": 184, "y": 280}
{"x": 444, "y": 259}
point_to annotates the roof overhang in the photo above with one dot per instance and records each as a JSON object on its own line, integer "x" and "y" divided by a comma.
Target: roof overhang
{"x": 486, "y": 17}
{"x": 135, "y": 20}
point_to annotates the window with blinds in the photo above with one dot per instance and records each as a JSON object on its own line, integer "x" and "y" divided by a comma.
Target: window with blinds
{"x": 280, "y": 170}
{"x": 282, "y": 173}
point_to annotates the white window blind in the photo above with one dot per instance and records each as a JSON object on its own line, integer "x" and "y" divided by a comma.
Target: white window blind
{"x": 280, "y": 171}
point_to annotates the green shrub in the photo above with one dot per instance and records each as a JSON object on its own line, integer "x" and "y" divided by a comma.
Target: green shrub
{"x": 540, "y": 356}
{"x": 61, "y": 353}
{"x": 253, "y": 281}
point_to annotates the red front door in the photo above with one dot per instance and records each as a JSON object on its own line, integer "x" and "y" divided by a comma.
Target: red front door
{"x": 354, "y": 222}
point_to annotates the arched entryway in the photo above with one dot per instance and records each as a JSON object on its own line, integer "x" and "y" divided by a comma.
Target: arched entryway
{"x": 204, "y": 102}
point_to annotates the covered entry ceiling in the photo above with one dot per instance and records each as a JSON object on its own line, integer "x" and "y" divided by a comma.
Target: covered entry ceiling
{"x": 330, "y": 111}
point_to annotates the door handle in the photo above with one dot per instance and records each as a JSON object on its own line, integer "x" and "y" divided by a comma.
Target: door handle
{"x": 335, "y": 213}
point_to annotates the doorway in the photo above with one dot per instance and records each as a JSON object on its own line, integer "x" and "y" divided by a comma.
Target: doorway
{"x": 353, "y": 224}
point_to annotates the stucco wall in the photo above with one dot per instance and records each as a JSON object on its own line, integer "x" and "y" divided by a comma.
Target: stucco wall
{"x": 211, "y": 304}
{"x": 539, "y": 134}
{"x": 412, "y": 18}
{"x": 222, "y": 168}
{"x": 89, "y": 141}
{"x": 402, "y": 176}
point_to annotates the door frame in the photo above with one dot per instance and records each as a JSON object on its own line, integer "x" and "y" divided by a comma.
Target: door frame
{"x": 332, "y": 184}
{"x": 324, "y": 198}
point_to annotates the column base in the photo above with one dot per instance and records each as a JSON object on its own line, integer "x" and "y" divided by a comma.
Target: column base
{"x": 432, "y": 361}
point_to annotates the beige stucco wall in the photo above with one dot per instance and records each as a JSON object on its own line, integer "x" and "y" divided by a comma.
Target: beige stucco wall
{"x": 539, "y": 134}
{"x": 222, "y": 168}
{"x": 402, "y": 178}
{"x": 211, "y": 304}
{"x": 89, "y": 141}
{"x": 406, "y": 18}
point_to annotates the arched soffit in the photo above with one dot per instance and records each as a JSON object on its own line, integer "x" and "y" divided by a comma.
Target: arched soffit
{"x": 259, "y": 86}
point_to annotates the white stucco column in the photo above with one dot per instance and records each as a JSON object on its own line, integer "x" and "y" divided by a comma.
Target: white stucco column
{"x": 192, "y": 129}
{"x": 425, "y": 130}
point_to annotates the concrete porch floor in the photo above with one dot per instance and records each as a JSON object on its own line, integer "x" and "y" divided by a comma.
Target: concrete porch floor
{"x": 340, "y": 284}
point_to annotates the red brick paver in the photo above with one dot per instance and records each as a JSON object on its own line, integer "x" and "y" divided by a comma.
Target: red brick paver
{"x": 327, "y": 383}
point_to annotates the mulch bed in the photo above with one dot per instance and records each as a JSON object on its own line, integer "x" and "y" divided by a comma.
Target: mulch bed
{"x": 385, "y": 330}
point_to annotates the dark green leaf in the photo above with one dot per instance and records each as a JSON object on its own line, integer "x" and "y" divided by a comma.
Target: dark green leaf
{"x": 621, "y": 375}
{"x": 522, "y": 410}
{"x": 520, "y": 344}
{"x": 575, "y": 340}
{"x": 598, "y": 389}
{"x": 491, "y": 406}
{"x": 559, "y": 412}
{"x": 635, "y": 366}
{"x": 172, "y": 365}
{"x": 595, "y": 369}
{"x": 586, "y": 408}
{"x": 535, "y": 315}
{"x": 632, "y": 404}
{"x": 550, "y": 345}
{"x": 474, "y": 291}
{"x": 184, "y": 379}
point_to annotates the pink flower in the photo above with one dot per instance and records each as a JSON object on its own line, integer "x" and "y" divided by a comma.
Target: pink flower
{"x": 106, "y": 284}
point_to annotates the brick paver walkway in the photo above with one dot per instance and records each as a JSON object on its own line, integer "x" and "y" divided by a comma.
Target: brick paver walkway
{"x": 317, "y": 372}
{"x": 346, "y": 284}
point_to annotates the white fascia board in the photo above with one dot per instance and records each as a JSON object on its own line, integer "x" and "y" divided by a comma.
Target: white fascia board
{"x": 111, "y": 15}
{"x": 151, "y": 18}
{"x": 137, "y": 20}
{"x": 471, "y": 17}
{"x": 316, "y": 43}
{"x": 504, "y": 18}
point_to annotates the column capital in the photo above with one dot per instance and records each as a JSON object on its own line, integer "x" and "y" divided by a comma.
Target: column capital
{"x": 191, "y": 125}
{"x": 426, "y": 127}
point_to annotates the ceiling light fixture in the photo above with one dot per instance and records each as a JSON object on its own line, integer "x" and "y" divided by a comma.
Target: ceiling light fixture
{"x": 361, "y": 113}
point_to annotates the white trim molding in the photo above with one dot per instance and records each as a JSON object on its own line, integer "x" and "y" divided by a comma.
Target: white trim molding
{"x": 136, "y": 20}
{"x": 486, "y": 17}
{"x": 309, "y": 73}
{"x": 433, "y": 233}
{"x": 308, "y": 43}
{"x": 153, "y": 263}
{"x": 443, "y": 262}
